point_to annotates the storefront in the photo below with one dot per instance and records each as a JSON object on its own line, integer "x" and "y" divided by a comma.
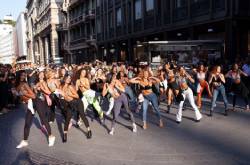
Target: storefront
{"x": 184, "y": 52}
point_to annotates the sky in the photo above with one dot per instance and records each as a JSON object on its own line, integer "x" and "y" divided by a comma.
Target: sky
{"x": 13, "y": 7}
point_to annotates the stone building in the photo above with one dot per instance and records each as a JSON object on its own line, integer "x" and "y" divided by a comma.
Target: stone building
{"x": 43, "y": 18}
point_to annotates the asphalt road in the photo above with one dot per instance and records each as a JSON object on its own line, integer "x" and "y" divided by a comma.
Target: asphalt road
{"x": 217, "y": 140}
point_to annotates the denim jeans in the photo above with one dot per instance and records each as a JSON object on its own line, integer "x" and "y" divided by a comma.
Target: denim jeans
{"x": 118, "y": 102}
{"x": 154, "y": 100}
{"x": 129, "y": 92}
{"x": 222, "y": 91}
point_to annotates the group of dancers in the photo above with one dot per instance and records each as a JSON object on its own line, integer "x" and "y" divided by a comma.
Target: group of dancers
{"x": 74, "y": 90}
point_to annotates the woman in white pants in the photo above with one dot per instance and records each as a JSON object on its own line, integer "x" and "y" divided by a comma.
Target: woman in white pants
{"x": 186, "y": 92}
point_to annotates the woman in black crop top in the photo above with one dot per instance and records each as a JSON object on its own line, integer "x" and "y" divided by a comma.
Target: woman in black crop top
{"x": 217, "y": 81}
{"x": 146, "y": 81}
{"x": 238, "y": 87}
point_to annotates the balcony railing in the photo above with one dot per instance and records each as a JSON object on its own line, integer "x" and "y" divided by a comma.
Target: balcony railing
{"x": 91, "y": 38}
{"x": 62, "y": 27}
{"x": 90, "y": 14}
{"x": 78, "y": 41}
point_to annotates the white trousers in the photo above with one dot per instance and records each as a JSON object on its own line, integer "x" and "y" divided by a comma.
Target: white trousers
{"x": 111, "y": 105}
{"x": 190, "y": 96}
{"x": 30, "y": 106}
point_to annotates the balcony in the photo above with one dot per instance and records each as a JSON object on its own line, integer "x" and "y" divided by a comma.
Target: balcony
{"x": 77, "y": 41}
{"x": 62, "y": 27}
{"x": 90, "y": 14}
{"x": 91, "y": 38}
{"x": 72, "y": 2}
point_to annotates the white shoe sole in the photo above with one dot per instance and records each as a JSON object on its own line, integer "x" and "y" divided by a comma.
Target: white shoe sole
{"x": 21, "y": 146}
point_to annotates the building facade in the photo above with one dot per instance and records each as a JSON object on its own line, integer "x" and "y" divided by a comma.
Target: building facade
{"x": 7, "y": 53}
{"x": 81, "y": 34}
{"x": 21, "y": 36}
{"x": 122, "y": 25}
{"x": 43, "y": 18}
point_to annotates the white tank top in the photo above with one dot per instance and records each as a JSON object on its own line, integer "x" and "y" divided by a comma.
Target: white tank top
{"x": 201, "y": 76}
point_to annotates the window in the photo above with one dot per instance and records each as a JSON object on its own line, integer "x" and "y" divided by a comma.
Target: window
{"x": 98, "y": 24}
{"x": 98, "y": 3}
{"x": 111, "y": 23}
{"x": 138, "y": 9}
{"x": 180, "y": 3}
{"x": 149, "y": 5}
{"x": 118, "y": 17}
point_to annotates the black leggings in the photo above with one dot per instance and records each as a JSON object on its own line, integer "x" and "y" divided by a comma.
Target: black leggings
{"x": 55, "y": 103}
{"x": 39, "y": 106}
{"x": 240, "y": 89}
{"x": 246, "y": 100}
{"x": 76, "y": 105}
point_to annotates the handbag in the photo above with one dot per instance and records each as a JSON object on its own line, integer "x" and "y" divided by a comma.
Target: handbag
{"x": 179, "y": 97}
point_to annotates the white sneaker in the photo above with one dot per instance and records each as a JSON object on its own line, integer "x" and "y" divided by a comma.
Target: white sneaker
{"x": 199, "y": 118}
{"x": 108, "y": 113}
{"x": 134, "y": 128}
{"x": 112, "y": 131}
{"x": 247, "y": 108}
{"x": 79, "y": 122}
{"x": 52, "y": 140}
{"x": 22, "y": 144}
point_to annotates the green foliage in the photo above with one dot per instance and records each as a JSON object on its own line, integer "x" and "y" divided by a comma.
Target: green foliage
{"x": 13, "y": 23}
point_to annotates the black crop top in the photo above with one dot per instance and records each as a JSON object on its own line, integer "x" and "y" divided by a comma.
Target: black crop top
{"x": 217, "y": 79}
{"x": 146, "y": 87}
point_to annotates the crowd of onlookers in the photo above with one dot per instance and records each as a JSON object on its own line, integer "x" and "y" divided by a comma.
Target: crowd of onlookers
{"x": 8, "y": 75}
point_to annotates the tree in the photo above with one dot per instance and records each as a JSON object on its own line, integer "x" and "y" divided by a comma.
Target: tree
{"x": 10, "y": 22}
{"x": 1, "y": 21}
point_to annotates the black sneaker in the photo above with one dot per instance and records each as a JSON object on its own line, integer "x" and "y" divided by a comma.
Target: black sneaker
{"x": 64, "y": 138}
{"x": 168, "y": 111}
{"x": 226, "y": 113}
{"x": 77, "y": 125}
{"x": 89, "y": 134}
{"x": 211, "y": 113}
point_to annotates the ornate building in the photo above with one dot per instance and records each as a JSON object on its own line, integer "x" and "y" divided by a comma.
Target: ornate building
{"x": 43, "y": 18}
